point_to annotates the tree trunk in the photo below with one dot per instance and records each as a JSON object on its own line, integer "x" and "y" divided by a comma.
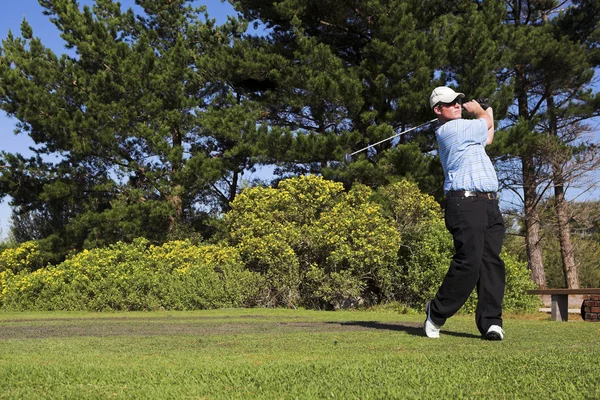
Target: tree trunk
{"x": 564, "y": 235}
{"x": 176, "y": 204}
{"x": 532, "y": 224}
{"x": 233, "y": 191}
{"x": 533, "y": 244}
{"x": 562, "y": 209}
{"x": 177, "y": 189}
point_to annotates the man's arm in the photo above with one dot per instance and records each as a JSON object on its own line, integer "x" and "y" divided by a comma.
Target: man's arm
{"x": 475, "y": 109}
{"x": 490, "y": 138}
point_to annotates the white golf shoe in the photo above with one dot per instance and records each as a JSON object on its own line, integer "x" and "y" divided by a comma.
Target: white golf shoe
{"x": 431, "y": 329}
{"x": 494, "y": 333}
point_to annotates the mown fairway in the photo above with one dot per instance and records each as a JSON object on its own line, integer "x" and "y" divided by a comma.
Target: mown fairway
{"x": 272, "y": 354}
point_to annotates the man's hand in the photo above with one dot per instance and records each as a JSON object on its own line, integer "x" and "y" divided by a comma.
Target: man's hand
{"x": 474, "y": 108}
{"x": 484, "y": 103}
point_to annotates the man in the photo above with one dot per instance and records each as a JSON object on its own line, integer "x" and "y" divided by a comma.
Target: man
{"x": 472, "y": 216}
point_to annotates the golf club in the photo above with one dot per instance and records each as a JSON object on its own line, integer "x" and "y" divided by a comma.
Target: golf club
{"x": 348, "y": 156}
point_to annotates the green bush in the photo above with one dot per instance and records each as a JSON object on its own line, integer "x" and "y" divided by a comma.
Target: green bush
{"x": 338, "y": 289}
{"x": 423, "y": 264}
{"x": 137, "y": 276}
{"x": 427, "y": 246}
{"x": 427, "y": 249}
{"x": 277, "y": 263}
{"x": 308, "y": 243}
{"x": 518, "y": 281}
{"x": 315, "y": 244}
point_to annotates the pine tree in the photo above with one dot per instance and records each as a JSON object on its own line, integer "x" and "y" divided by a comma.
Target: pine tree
{"x": 549, "y": 72}
{"x": 149, "y": 132}
{"x": 359, "y": 72}
{"x": 569, "y": 104}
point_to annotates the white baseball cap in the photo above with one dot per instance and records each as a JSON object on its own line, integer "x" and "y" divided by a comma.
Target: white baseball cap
{"x": 443, "y": 94}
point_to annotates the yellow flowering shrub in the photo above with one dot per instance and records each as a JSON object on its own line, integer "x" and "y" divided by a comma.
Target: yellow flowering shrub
{"x": 267, "y": 211}
{"x": 307, "y": 242}
{"x": 410, "y": 209}
{"x": 355, "y": 236}
{"x": 5, "y": 281}
{"x": 315, "y": 244}
{"x": 26, "y": 256}
{"x": 135, "y": 276}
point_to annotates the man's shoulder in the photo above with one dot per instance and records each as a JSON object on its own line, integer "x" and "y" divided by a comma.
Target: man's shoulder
{"x": 452, "y": 125}
{"x": 461, "y": 123}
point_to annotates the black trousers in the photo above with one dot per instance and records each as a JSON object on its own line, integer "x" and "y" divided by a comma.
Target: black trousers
{"x": 477, "y": 228}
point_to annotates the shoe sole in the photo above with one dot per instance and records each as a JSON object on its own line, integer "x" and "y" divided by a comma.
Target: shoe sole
{"x": 492, "y": 336}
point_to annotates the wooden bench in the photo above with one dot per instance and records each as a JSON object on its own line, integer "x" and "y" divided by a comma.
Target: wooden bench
{"x": 560, "y": 300}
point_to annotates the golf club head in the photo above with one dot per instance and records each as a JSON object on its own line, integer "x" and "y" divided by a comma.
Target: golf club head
{"x": 347, "y": 158}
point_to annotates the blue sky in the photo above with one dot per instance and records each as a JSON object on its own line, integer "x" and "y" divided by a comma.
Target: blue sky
{"x": 11, "y": 18}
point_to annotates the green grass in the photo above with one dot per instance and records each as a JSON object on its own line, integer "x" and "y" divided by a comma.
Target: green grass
{"x": 286, "y": 354}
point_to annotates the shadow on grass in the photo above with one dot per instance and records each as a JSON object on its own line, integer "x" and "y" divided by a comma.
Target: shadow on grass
{"x": 415, "y": 329}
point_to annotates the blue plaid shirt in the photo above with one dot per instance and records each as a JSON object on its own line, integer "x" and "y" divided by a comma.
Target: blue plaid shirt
{"x": 466, "y": 165}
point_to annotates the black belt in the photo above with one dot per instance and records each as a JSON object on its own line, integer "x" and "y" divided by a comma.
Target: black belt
{"x": 470, "y": 193}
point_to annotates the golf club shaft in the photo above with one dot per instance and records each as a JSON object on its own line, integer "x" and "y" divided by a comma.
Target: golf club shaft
{"x": 391, "y": 137}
